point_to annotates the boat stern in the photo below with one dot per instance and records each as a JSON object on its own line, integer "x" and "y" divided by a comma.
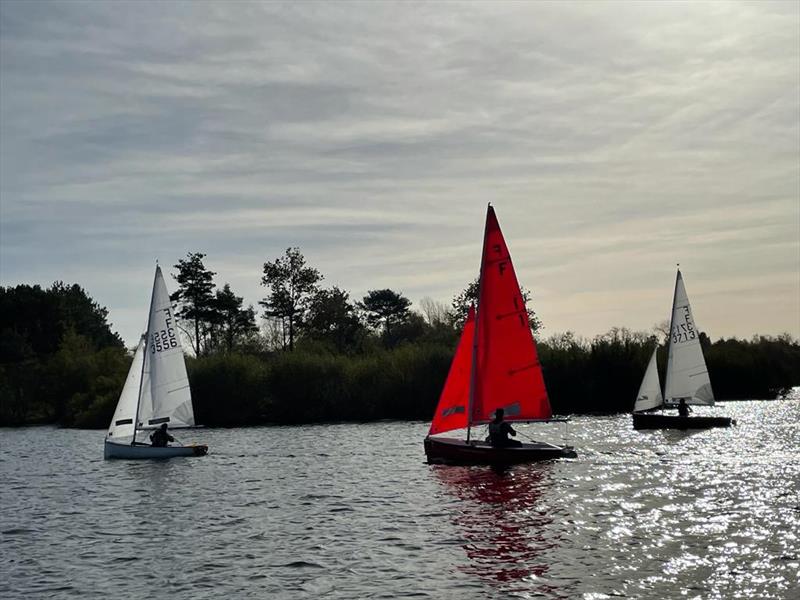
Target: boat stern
{"x": 568, "y": 452}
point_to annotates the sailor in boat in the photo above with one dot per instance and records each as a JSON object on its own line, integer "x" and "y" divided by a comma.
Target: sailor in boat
{"x": 160, "y": 438}
{"x": 683, "y": 408}
{"x": 499, "y": 430}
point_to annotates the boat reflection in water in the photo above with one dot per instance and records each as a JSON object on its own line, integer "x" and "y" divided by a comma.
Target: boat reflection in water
{"x": 503, "y": 521}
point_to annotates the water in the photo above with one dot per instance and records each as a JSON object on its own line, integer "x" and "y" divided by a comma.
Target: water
{"x": 352, "y": 511}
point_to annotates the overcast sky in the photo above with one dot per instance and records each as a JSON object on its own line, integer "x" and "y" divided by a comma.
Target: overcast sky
{"x": 613, "y": 139}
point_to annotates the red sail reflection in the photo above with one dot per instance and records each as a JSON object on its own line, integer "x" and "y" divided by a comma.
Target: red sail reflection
{"x": 503, "y": 522}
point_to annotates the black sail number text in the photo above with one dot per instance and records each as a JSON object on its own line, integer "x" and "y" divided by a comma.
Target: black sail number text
{"x": 164, "y": 339}
{"x": 684, "y": 332}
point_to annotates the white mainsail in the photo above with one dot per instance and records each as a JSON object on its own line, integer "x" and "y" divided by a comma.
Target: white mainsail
{"x": 649, "y": 396}
{"x": 166, "y": 397}
{"x": 687, "y": 374}
{"x": 122, "y": 423}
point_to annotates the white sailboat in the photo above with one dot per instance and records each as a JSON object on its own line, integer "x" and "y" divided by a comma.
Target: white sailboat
{"x": 687, "y": 376}
{"x": 649, "y": 396}
{"x": 156, "y": 390}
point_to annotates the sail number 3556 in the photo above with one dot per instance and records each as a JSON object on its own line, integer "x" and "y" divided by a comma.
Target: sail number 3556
{"x": 164, "y": 339}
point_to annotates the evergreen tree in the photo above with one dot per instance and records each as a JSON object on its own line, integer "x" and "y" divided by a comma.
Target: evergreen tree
{"x": 292, "y": 285}
{"x": 234, "y": 321}
{"x": 384, "y": 310}
{"x": 33, "y": 320}
{"x": 43, "y": 329}
{"x": 332, "y": 319}
{"x": 195, "y": 295}
{"x": 469, "y": 295}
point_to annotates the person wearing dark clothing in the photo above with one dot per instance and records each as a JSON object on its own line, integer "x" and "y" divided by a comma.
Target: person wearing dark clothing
{"x": 683, "y": 408}
{"x": 499, "y": 430}
{"x": 160, "y": 438}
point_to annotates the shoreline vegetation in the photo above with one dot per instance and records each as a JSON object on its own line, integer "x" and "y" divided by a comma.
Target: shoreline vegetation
{"x": 320, "y": 357}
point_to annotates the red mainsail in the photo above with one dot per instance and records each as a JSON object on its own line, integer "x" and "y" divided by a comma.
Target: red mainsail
{"x": 451, "y": 412}
{"x": 507, "y": 371}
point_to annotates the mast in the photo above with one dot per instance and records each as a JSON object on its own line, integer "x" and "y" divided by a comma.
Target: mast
{"x": 669, "y": 338}
{"x": 473, "y": 369}
{"x": 144, "y": 358}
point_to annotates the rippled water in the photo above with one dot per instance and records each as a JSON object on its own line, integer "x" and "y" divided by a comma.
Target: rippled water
{"x": 352, "y": 511}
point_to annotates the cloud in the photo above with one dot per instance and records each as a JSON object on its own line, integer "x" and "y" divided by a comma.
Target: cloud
{"x": 614, "y": 139}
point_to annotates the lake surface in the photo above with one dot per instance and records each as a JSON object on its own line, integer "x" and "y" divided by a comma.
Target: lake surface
{"x": 352, "y": 511}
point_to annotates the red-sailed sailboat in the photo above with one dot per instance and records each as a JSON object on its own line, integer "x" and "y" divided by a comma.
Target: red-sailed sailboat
{"x": 495, "y": 366}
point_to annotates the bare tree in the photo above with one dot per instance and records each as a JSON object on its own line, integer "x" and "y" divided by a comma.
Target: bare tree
{"x": 661, "y": 330}
{"x": 435, "y": 312}
{"x": 274, "y": 333}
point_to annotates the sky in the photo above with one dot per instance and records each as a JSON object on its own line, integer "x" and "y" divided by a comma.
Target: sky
{"x": 613, "y": 139}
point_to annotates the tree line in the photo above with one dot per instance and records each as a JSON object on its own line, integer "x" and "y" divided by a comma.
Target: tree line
{"x": 298, "y": 309}
{"x": 319, "y": 355}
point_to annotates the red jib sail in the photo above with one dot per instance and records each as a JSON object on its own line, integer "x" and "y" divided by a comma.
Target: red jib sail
{"x": 507, "y": 371}
{"x": 451, "y": 412}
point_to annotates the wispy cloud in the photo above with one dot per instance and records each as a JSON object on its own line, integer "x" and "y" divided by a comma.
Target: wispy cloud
{"x": 615, "y": 139}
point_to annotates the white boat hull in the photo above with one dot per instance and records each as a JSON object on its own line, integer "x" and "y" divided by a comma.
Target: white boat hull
{"x": 144, "y": 451}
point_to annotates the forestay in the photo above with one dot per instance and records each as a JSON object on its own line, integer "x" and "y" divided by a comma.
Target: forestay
{"x": 687, "y": 375}
{"x": 166, "y": 396}
{"x": 122, "y": 423}
{"x": 649, "y": 396}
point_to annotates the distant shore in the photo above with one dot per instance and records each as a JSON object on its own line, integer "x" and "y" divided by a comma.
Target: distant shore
{"x": 269, "y": 423}
{"x": 60, "y": 363}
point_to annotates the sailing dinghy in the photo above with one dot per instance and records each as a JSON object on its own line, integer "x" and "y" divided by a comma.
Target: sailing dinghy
{"x": 495, "y": 366}
{"x": 687, "y": 375}
{"x": 156, "y": 390}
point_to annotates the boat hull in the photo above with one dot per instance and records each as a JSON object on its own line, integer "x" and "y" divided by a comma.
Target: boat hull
{"x": 659, "y": 421}
{"x": 144, "y": 451}
{"x": 453, "y": 451}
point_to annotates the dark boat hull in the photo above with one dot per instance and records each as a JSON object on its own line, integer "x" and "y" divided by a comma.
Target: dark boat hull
{"x": 659, "y": 421}
{"x": 452, "y": 451}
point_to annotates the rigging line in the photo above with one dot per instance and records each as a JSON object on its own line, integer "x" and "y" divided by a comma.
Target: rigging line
{"x": 527, "y": 437}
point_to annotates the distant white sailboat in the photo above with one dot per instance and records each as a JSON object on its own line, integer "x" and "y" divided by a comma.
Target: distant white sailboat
{"x": 687, "y": 376}
{"x": 649, "y": 396}
{"x": 156, "y": 390}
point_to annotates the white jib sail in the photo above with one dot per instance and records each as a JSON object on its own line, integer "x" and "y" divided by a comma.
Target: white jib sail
{"x": 122, "y": 423}
{"x": 687, "y": 374}
{"x": 166, "y": 397}
{"x": 649, "y": 396}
